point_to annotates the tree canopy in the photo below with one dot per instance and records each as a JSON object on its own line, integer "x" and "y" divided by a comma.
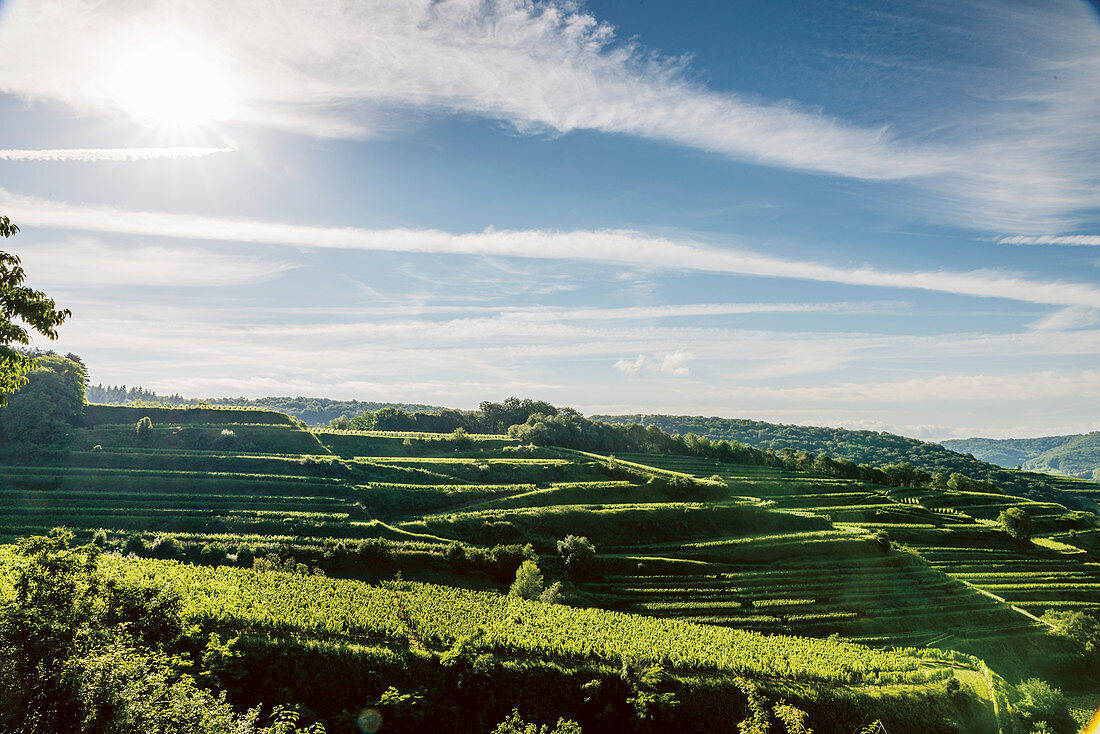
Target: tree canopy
{"x": 23, "y": 310}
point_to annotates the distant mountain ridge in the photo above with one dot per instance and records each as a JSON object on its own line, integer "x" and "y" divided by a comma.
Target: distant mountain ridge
{"x": 1076, "y": 455}
{"x": 863, "y": 447}
{"x": 314, "y": 411}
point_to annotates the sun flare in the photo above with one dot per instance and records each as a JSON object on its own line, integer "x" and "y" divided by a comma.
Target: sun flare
{"x": 172, "y": 85}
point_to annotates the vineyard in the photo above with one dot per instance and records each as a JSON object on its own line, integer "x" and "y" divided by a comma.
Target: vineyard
{"x": 706, "y": 568}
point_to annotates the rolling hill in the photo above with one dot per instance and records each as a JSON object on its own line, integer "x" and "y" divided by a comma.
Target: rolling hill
{"x": 700, "y": 548}
{"x": 1075, "y": 456}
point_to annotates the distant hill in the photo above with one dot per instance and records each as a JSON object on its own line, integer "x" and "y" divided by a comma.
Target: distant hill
{"x": 863, "y": 447}
{"x": 314, "y": 411}
{"x": 1075, "y": 456}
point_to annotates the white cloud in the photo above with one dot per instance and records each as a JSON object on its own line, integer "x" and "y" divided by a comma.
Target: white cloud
{"x": 1074, "y": 317}
{"x": 332, "y": 68}
{"x": 617, "y": 246}
{"x": 92, "y": 264}
{"x": 88, "y": 155}
{"x": 1066, "y": 239}
{"x": 632, "y": 367}
{"x": 668, "y": 363}
{"x": 676, "y": 363}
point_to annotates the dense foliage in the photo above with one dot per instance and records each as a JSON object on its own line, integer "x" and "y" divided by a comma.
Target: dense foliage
{"x": 879, "y": 449}
{"x": 40, "y": 417}
{"x": 81, "y": 650}
{"x": 23, "y": 311}
{"x": 1076, "y": 456}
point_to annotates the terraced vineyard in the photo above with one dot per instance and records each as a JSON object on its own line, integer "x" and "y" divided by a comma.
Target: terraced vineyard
{"x": 719, "y": 552}
{"x": 967, "y": 585}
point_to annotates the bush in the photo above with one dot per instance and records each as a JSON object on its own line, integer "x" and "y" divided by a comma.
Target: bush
{"x": 375, "y": 551}
{"x": 135, "y": 544}
{"x": 516, "y": 725}
{"x": 882, "y": 539}
{"x": 456, "y": 557}
{"x": 167, "y": 547}
{"x": 100, "y": 539}
{"x": 552, "y": 594}
{"x": 144, "y": 428}
{"x": 506, "y": 559}
{"x": 579, "y": 556}
{"x": 1039, "y": 701}
{"x": 528, "y": 583}
{"x": 245, "y": 556}
{"x": 226, "y": 438}
{"x": 1016, "y": 522}
{"x": 213, "y": 554}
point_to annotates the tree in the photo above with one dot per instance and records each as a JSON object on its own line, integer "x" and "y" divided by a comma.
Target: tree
{"x": 579, "y": 556}
{"x": 1039, "y": 701}
{"x": 528, "y": 583}
{"x": 33, "y": 308}
{"x": 39, "y": 417}
{"x": 1016, "y": 522}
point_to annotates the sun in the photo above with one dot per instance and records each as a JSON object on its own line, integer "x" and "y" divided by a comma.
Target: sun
{"x": 172, "y": 84}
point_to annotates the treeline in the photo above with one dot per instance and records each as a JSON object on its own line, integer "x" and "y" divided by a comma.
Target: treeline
{"x": 542, "y": 424}
{"x": 857, "y": 447}
{"x": 491, "y": 418}
{"x": 314, "y": 411}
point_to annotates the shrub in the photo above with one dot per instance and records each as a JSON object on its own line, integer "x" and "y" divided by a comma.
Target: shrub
{"x": 882, "y": 539}
{"x": 135, "y": 544}
{"x": 1016, "y": 522}
{"x": 213, "y": 554}
{"x": 579, "y": 556}
{"x": 100, "y": 539}
{"x": 167, "y": 547}
{"x": 375, "y": 550}
{"x": 245, "y": 556}
{"x": 1039, "y": 701}
{"x": 506, "y": 559}
{"x": 552, "y": 594}
{"x": 528, "y": 583}
{"x": 456, "y": 557}
{"x": 516, "y": 725}
{"x": 226, "y": 438}
{"x": 144, "y": 428}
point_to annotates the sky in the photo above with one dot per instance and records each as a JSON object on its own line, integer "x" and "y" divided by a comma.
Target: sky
{"x": 880, "y": 215}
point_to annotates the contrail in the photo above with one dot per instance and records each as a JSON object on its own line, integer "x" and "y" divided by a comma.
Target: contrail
{"x": 1064, "y": 239}
{"x": 108, "y": 154}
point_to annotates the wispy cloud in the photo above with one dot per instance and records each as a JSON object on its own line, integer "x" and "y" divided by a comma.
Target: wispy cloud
{"x": 1063, "y": 239}
{"x": 330, "y": 68}
{"x": 1074, "y": 317}
{"x": 617, "y": 246}
{"x": 88, "y": 263}
{"x": 90, "y": 155}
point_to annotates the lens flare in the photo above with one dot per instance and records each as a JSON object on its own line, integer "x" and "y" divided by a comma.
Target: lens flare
{"x": 369, "y": 721}
{"x": 172, "y": 83}
{"x": 1093, "y": 727}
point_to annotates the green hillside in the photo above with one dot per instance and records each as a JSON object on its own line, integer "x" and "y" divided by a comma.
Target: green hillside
{"x": 1075, "y": 456}
{"x": 861, "y": 447}
{"x": 348, "y": 562}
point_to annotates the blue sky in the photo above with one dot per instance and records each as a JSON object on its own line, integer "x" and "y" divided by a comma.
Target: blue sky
{"x": 869, "y": 214}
